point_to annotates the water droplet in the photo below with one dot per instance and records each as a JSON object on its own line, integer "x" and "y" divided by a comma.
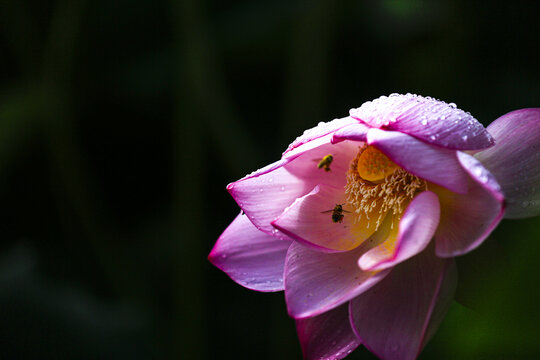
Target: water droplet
{"x": 261, "y": 190}
{"x": 423, "y": 122}
{"x": 464, "y": 137}
{"x": 270, "y": 180}
{"x": 282, "y": 188}
{"x": 432, "y": 137}
{"x": 452, "y": 105}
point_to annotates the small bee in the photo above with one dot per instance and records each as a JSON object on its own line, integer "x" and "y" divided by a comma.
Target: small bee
{"x": 337, "y": 213}
{"x": 325, "y": 162}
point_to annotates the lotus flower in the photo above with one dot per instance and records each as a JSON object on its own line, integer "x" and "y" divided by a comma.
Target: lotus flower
{"x": 361, "y": 218}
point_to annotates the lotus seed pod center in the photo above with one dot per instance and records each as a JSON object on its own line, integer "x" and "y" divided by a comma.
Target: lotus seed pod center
{"x": 374, "y": 166}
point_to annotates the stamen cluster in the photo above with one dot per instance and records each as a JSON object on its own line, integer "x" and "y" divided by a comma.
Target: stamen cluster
{"x": 374, "y": 200}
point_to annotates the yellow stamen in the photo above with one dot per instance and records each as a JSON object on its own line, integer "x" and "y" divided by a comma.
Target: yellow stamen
{"x": 375, "y": 196}
{"x": 373, "y": 165}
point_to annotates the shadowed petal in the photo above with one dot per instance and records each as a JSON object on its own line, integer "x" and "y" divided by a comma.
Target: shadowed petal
{"x": 397, "y": 317}
{"x": 327, "y": 336}
{"x": 430, "y": 120}
{"x": 467, "y": 220}
{"x": 316, "y": 282}
{"x": 309, "y": 220}
{"x": 416, "y": 228}
{"x": 250, "y": 257}
{"x": 515, "y": 160}
{"x": 265, "y": 194}
{"x": 437, "y": 165}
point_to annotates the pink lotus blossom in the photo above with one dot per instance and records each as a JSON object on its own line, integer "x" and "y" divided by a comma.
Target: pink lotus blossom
{"x": 362, "y": 241}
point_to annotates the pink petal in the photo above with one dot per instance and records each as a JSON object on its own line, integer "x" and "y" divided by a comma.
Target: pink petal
{"x": 265, "y": 194}
{"x": 435, "y": 164}
{"x": 416, "y": 229}
{"x": 250, "y": 257}
{"x": 327, "y": 336}
{"x": 354, "y": 132}
{"x": 312, "y": 137}
{"x": 515, "y": 160}
{"x": 467, "y": 220}
{"x": 430, "y": 120}
{"x": 309, "y": 220}
{"x": 316, "y": 282}
{"x": 396, "y": 318}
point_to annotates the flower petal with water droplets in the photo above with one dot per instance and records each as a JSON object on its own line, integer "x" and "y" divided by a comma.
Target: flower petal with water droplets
{"x": 353, "y": 132}
{"x": 425, "y": 118}
{"x": 250, "y": 257}
{"x": 316, "y": 136}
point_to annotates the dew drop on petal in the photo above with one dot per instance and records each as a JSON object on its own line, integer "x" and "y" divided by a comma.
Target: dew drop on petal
{"x": 452, "y": 105}
{"x": 282, "y": 188}
{"x": 464, "y": 137}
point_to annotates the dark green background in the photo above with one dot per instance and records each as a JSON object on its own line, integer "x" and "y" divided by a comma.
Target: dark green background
{"x": 121, "y": 123}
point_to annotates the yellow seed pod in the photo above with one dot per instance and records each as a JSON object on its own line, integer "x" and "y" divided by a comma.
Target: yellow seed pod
{"x": 374, "y": 166}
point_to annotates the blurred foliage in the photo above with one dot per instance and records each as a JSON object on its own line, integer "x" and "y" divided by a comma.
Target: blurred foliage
{"x": 122, "y": 121}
